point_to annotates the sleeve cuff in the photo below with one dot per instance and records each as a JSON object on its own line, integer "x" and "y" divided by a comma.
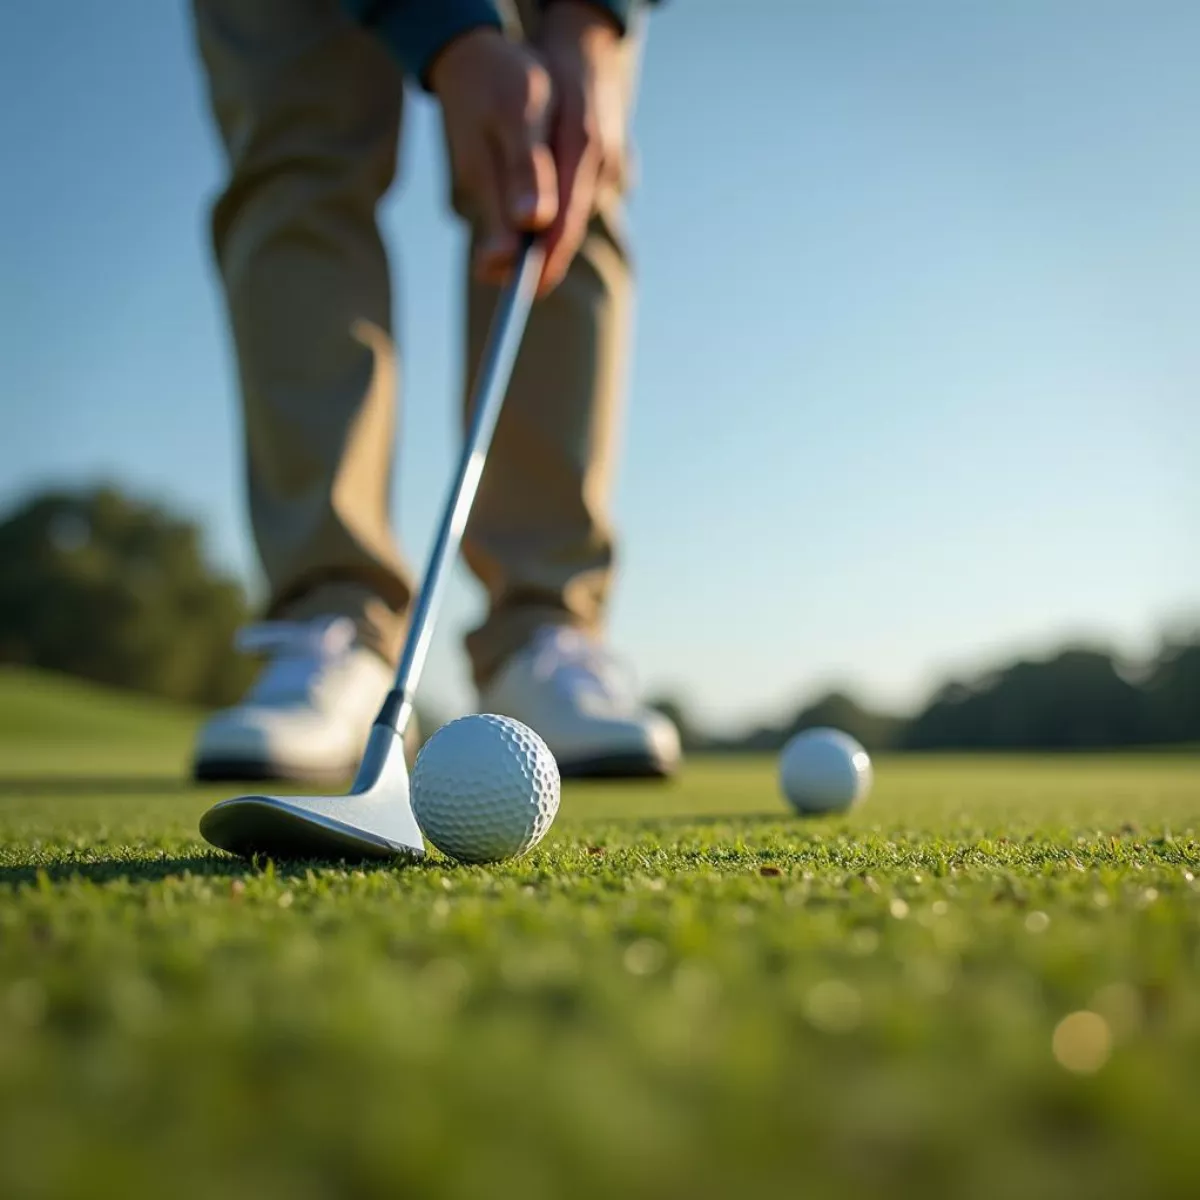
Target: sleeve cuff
{"x": 417, "y": 31}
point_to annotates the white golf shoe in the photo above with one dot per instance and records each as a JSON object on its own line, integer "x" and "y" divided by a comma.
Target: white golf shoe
{"x": 308, "y": 716}
{"x": 570, "y": 690}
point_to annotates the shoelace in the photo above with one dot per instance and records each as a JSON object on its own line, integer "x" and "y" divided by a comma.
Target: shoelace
{"x": 572, "y": 662}
{"x": 301, "y": 653}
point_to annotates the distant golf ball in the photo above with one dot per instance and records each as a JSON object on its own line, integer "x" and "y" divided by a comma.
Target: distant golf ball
{"x": 485, "y": 788}
{"x": 824, "y": 770}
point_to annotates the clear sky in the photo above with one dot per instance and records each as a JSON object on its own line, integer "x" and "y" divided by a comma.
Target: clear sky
{"x": 917, "y": 378}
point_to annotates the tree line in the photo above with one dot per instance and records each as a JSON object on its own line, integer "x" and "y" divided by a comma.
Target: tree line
{"x": 1078, "y": 698}
{"x": 118, "y": 590}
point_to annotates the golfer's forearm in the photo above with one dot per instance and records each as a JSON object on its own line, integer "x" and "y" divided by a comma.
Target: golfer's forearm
{"x": 417, "y": 31}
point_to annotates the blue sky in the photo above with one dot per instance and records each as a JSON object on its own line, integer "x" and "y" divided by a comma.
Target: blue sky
{"x": 917, "y": 375}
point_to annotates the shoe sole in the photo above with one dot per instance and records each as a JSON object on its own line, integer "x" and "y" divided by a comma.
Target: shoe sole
{"x": 624, "y": 766}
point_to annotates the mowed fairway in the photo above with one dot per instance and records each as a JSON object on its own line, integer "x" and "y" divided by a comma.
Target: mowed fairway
{"x": 684, "y": 992}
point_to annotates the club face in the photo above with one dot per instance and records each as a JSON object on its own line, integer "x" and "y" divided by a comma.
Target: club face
{"x": 375, "y": 821}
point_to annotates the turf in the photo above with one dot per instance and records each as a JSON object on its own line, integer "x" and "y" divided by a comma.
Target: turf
{"x": 684, "y": 992}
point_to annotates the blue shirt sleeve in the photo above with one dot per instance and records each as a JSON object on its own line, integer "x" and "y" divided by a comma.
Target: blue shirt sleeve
{"x": 417, "y": 31}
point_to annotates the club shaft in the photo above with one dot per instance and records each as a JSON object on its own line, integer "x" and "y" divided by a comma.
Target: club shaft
{"x": 490, "y": 386}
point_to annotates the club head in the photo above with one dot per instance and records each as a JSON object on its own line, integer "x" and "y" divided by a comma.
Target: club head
{"x": 373, "y": 821}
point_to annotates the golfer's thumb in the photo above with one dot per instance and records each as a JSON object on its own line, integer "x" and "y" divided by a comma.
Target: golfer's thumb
{"x": 530, "y": 186}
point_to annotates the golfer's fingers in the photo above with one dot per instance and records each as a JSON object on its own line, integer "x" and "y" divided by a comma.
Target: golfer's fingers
{"x": 530, "y": 181}
{"x": 579, "y": 159}
{"x": 526, "y": 189}
{"x": 520, "y": 131}
{"x": 496, "y": 246}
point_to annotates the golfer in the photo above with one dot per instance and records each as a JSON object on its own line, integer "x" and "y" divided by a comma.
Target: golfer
{"x": 535, "y": 101}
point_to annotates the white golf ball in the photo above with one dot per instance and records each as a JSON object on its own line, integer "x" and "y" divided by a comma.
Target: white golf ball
{"x": 485, "y": 788}
{"x": 824, "y": 770}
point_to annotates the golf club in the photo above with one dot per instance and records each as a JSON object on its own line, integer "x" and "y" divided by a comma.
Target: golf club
{"x": 375, "y": 819}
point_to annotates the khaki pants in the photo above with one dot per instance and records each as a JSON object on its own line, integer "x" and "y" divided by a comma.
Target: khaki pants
{"x": 309, "y": 108}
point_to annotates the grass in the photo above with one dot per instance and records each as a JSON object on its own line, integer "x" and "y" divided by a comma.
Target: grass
{"x": 684, "y": 992}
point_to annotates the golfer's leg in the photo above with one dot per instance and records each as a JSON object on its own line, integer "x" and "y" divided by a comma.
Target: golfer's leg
{"x": 539, "y": 538}
{"x": 308, "y": 106}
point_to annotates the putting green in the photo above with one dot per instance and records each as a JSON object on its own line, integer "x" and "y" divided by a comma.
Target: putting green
{"x": 985, "y": 982}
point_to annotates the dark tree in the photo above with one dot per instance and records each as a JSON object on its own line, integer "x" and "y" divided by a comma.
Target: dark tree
{"x": 1172, "y": 693}
{"x": 117, "y": 590}
{"x": 876, "y": 731}
{"x": 1077, "y": 700}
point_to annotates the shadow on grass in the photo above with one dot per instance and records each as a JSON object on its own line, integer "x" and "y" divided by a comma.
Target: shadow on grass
{"x": 678, "y": 820}
{"x": 153, "y": 868}
{"x": 93, "y": 785}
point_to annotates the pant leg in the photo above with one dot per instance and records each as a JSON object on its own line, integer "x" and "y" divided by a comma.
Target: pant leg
{"x": 308, "y": 106}
{"x": 539, "y": 538}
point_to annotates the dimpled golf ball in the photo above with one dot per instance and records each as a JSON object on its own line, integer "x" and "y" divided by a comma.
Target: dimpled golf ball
{"x": 824, "y": 771}
{"x": 485, "y": 788}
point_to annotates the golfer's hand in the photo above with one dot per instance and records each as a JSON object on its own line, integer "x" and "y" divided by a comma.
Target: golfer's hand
{"x": 496, "y": 102}
{"x": 580, "y": 47}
